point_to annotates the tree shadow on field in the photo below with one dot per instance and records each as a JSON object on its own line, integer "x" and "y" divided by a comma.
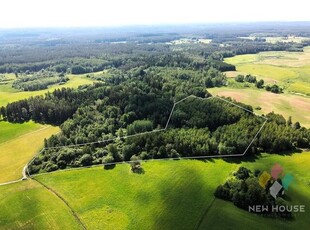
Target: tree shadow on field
{"x": 206, "y": 160}
{"x": 246, "y": 158}
{"x": 290, "y": 152}
{"x": 184, "y": 201}
{"x": 109, "y": 166}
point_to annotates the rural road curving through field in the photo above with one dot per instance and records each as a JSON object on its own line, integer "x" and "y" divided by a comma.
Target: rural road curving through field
{"x": 24, "y": 173}
{"x": 11, "y": 182}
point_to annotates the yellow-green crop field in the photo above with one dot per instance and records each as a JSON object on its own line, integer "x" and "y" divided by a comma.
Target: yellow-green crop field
{"x": 25, "y": 141}
{"x": 286, "y": 104}
{"x": 291, "y": 70}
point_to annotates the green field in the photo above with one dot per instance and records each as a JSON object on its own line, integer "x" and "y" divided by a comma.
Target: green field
{"x": 8, "y": 94}
{"x": 9, "y": 131}
{"x": 291, "y": 70}
{"x": 169, "y": 195}
{"x": 299, "y": 193}
{"x": 173, "y": 194}
{"x": 286, "y": 104}
{"x": 28, "y": 205}
{"x": 17, "y": 151}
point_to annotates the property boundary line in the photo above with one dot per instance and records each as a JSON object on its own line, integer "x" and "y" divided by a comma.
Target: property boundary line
{"x": 26, "y": 173}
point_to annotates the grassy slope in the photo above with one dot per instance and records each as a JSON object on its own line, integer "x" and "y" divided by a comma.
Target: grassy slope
{"x": 28, "y": 205}
{"x": 289, "y": 69}
{"x": 15, "y": 153}
{"x": 9, "y": 131}
{"x": 285, "y": 104}
{"x": 223, "y": 215}
{"x": 8, "y": 94}
{"x": 170, "y": 195}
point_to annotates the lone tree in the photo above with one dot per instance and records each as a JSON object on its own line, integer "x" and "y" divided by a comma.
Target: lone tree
{"x": 135, "y": 164}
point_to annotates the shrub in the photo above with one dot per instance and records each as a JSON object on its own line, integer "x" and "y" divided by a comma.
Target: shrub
{"x": 108, "y": 159}
{"x": 51, "y": 167}
{"x": 62, "y": 164}
{"x": 239, "y": 78}
{"x": 86, "y": 160}
{"x": 242, "y": 173}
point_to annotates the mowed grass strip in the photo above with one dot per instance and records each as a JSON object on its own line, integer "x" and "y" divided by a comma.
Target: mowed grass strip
{"x": 224, "y": 215}
{"x": 28, "y": 205}
{"x": 9, "y": 131}
{"x": 14, "y": 154}
{"x": 9, "y": 94}
{"x": 286, "y": 104}
{"x": 169, "y": 195}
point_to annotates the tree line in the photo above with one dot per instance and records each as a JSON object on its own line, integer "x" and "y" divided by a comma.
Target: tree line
{"x": 258, "y": 83}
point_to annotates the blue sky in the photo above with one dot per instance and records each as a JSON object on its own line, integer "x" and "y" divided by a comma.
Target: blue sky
{"x": 68, "y": 13}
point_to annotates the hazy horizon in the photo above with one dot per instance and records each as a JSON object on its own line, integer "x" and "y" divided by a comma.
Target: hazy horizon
{"x": 95, "y": 13}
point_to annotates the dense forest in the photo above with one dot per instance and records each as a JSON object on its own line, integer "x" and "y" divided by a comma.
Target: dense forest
{"x": 126, "y": 48}
{"x": 141, "y": 101}
{"x": 140, "y": 81}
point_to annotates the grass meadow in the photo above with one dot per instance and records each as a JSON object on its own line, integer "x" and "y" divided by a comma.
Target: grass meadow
{"x": 28, "y": 205}
{"x": 291, "y": 70}
{"x": 18, "y": 150}
{"x": 12, "y": 130}
{"x": 169, "y": 195}
{"x": 174, "y": 194}
{"x": 286, "y": 104}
